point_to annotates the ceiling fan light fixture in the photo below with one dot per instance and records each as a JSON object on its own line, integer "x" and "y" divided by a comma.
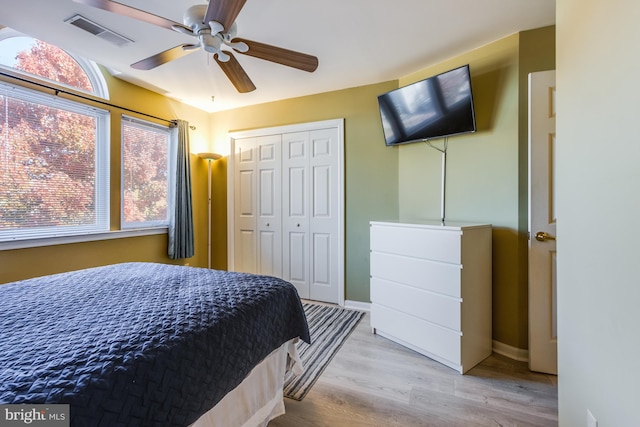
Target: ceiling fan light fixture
{"x": 210, "y": 43}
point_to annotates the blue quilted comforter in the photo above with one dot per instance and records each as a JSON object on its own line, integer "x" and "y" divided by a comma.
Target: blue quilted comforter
{"x": 140, "y": 344}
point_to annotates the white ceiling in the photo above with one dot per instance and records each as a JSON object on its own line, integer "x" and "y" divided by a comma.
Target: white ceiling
{"x": 357, "y": 42}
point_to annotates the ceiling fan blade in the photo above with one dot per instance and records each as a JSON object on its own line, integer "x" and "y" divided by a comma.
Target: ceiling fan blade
{"x": 236, "y": 74}
{"x": 164, "y": 57}
{"x": 279, "y": 55}
{"x": 224, "y": 12}
{"x": 132, "y": 12}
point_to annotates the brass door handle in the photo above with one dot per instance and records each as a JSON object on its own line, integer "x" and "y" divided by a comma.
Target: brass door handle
{"x": 541, "y": 236}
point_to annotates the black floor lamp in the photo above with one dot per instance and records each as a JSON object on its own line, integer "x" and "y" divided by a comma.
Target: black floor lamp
{"x": 209, "y": 157}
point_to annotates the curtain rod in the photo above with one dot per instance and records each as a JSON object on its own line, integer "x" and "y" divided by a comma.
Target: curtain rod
{"x": 57, "y": 91}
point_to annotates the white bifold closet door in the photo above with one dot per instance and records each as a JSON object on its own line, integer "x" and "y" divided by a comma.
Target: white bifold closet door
{"x": 258, "y": 208}
{"x": 288, "y": 210}
{"x": 310, "y": 223}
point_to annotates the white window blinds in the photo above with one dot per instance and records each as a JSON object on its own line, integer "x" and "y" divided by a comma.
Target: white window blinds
{"x": 54, "y": 166}
{"x": 145, "y": 173}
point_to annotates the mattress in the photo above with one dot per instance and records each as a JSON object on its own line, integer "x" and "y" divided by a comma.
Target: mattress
{"x": 259, "y": 398}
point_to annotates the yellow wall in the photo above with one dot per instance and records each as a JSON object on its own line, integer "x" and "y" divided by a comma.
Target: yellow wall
{"x": 26, "y": 263}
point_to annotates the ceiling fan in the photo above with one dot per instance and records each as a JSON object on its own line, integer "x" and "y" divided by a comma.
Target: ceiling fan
{"x": 214, "y": 26}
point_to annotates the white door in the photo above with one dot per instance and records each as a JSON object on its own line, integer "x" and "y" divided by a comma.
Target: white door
{"x": 269, "y": 220}
{"x": 286, "y": 210}
{"x": 543, "y": 339}
{"x": 310, "y": 216}
{"x": 244, "y": 235}
{"x": 258, "y": 233}
{"x": 295, "y": 224}
{"x": 324, "y": 221}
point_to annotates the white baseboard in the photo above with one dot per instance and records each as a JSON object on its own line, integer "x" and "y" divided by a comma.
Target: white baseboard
{"x": 357, "y": 305}
{"x": 510, "y": 352}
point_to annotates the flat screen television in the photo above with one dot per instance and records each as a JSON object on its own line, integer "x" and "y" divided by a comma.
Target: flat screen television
{"x": 436, "y": 107}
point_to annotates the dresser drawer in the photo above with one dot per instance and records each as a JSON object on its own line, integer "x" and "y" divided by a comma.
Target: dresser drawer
{"x": 434, "y": 308}
{"x": 442, "y": 245}
{"x": 420, "y": 273}
{"x": 420, "y": 334}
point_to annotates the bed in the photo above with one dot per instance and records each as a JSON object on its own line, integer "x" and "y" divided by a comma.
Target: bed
{"x": 145, "y": 344}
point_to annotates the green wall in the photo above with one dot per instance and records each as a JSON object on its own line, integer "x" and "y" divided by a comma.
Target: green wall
{"x": 487, "y": 172}
{"x": 482, "y": 174}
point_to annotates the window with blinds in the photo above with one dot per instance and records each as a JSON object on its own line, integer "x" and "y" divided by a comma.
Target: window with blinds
{"x": 54, "y": 166}
{"x": 146, "y": 174}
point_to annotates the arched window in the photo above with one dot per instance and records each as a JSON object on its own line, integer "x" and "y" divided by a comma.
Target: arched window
{"x": 34, "y": 57}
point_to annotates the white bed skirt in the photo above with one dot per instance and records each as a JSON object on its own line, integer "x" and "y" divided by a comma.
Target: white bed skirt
{"x": 258, "y": 399}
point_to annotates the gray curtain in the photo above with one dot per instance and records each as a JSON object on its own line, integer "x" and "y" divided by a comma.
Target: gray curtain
{"x": 181, "y": 219}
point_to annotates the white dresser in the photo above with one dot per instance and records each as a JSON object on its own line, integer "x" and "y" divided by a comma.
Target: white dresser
{"x": 431, "y": 289}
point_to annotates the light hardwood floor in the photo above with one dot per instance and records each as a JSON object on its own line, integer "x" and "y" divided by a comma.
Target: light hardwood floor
{"x": 373, "y": 381}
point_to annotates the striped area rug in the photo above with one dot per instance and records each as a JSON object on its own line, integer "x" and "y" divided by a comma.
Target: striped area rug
{"x": 329, "y": 327}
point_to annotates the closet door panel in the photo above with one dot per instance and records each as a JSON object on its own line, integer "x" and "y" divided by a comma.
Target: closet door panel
{"x": 245, "y": 239}
{"x": 267, "y": 193}
{"x": 324, "y": 221}
{"x": 298, "y": 250}
{"x": 321, "y": 259}
{"x": 268, "y": 242}
{"x": 321, "y": 192}
{"x": 269, "y": 201}
{"x": 295, "y": 194}
{"x": 268, "y": 255}
{"x": 246, "y": 250}
{"x": 246, "y": 194}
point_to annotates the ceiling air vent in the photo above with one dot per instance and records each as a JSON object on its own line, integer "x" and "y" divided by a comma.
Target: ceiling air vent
{"x": 98, "y": 30}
